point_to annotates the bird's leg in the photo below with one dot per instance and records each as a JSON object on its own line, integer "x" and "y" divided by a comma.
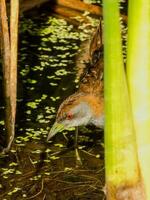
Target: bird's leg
{"x": 78, "y": 159}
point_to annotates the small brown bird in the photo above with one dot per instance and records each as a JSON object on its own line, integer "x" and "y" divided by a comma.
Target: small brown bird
{"x": 86, "y": 106}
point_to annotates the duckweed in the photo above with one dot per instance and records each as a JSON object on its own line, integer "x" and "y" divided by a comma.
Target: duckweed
{"x": 53, "y": 84}
{"x": 2, "y": 122}
{"x": 32, "y": 105}
{"x": 54, "y": 157}
{"x": 61, "y": 72}
{"x": 16, "y": 189}
{"x": 13, "y": 164}
{"x": 59, "y": 145}
{"x": 31, "y": 81}
{"x": 17, "y": 172}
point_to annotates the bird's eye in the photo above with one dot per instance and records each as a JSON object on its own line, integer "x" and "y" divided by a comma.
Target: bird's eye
{"x": 69, "y": 116}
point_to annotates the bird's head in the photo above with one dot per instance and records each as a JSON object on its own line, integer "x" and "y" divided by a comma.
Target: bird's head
{"x": 77, "y": 110}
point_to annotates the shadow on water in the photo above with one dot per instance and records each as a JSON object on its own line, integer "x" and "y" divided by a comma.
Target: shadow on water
{"x": 35, "y": 169}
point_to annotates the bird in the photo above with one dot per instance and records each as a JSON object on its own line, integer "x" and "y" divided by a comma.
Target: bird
{"x": 86, "y": 105}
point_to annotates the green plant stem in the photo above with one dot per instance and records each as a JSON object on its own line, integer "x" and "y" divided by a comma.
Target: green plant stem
{"x": 138, "y": 71}
{"x": 120, "y": 146}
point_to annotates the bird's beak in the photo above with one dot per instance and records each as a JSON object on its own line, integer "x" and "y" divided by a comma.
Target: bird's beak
{"x": 57, "y": 127}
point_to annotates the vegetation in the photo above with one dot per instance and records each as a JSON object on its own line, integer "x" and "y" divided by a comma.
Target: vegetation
{"x": 138, "y": 73}
{"x": 127, "y": 116}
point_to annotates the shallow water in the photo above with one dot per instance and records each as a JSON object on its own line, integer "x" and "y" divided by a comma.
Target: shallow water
{"x": 35, "y": 169}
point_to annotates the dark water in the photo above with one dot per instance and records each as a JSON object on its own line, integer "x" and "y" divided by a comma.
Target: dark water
{"x": 35, "y": 169}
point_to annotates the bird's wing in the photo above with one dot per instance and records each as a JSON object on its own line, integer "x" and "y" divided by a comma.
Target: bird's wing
{"x": 82, "y": 57}
{"x": 91, "y": 80}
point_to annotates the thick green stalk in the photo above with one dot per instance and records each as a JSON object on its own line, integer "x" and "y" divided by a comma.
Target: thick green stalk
{"x": 138, "y": 71}
{"x": 121, "y": 161}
